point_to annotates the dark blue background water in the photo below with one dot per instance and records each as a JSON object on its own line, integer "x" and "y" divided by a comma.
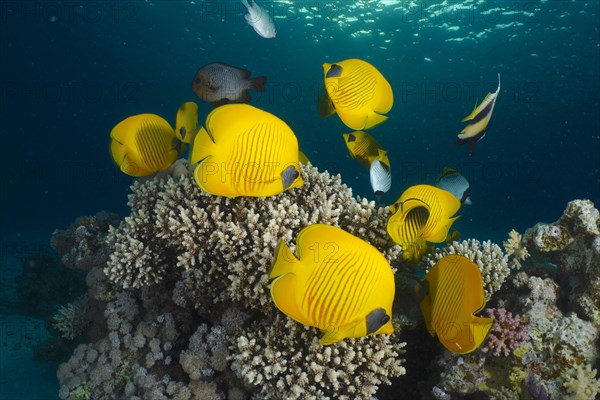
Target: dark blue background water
{"x": 70, "y": 73}
{"x": 72, "y": 70}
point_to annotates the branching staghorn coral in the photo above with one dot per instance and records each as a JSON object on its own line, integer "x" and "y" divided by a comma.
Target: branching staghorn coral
{"x": 227, "y": 244}
{"x": 515, "y": 249}
{"x": 582, "y": 383}
{"x": 488, "y": 256}
{"x": 273, "y": 359}
{"x": 189, "y": 313}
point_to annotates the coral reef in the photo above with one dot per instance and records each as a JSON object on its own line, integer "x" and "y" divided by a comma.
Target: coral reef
{"x": 72, "y": 320}
{"x": 82, "y": 243}
{"x": 572, "y": 244}
{"x": 488, "y": 256}
{"x": 187, "y": 306}
{"x": 552, "y": 358}
{"x": 186, "y": 310}
{"x": 515, "y": 249}
{"x": 582, "y": 384}
{"x": 507, "y": 333}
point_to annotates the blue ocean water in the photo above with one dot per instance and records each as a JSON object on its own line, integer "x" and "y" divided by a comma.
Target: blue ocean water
{"x": 72, "y": 70}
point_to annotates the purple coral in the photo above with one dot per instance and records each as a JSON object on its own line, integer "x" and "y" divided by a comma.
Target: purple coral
{"x": 507, "y": 333}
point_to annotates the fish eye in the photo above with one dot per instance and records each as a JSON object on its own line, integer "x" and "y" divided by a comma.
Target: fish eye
{"x": 384, "y": 320}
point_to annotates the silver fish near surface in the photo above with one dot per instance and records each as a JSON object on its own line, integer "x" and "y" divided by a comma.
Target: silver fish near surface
{"x": 219, "y": 84}
{"x": 259, "y": 19}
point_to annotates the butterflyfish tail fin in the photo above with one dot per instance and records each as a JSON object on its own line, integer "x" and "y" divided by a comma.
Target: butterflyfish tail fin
{"x": 374, "y": 120}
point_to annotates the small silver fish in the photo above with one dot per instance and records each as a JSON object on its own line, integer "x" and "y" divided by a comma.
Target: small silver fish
{"x": 381, "y": 178}
{"x": 452, "y": 181}
{"x": 219, "y": 84}
{"x": 259, "y": 19}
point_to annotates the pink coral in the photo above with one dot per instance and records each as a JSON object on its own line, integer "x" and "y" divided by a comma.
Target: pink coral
{"x": 507, "y": 333}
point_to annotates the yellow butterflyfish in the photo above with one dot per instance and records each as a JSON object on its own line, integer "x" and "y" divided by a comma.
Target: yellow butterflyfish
{"x": 422, "y": 212}
{"x": 358, "y": 92}
{"x": 144, "y": 144}
{"x": 363, "y": 147}
{"x": 245, "y": 151}
{"x": 338, "y": 283}
{"x": 449, "y": 295}
{"x": 186, "y": 122}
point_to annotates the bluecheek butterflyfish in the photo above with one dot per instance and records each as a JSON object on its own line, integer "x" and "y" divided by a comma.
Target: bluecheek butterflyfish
{"x": 337, "y": 283}
{"x": 361, "y": 146}
{"x": 449, "y": 295}
{"x": 365, "y": 149}
{"x": 422, "y": 212}
{"x": 186, "y": 123}
{"x": 479, "y": 120}
{"x": 144, "y": 144}
{"x": 357, "y": 91}
{"x": 245, "y": 151}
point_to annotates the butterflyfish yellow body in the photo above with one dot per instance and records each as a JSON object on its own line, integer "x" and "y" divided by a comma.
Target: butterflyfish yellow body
{"x": 363, "y": 147}
{"x": 422, "y": 212}
{"x": 358, "y": 92}
{"x": 479, "y": 120}
{"x": 338, "y": 283}
{"x": 186, "y": 122}
{"x": 245, "y": 151}
{"x": 144, "y": 144}
{"x": 450, "y": 293}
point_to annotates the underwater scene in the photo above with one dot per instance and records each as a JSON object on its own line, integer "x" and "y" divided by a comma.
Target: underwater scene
{"x": 279, "y": 199}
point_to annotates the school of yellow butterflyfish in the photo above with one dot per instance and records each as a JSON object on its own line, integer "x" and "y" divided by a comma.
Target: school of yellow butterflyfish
{"x": 241, "y": 150}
